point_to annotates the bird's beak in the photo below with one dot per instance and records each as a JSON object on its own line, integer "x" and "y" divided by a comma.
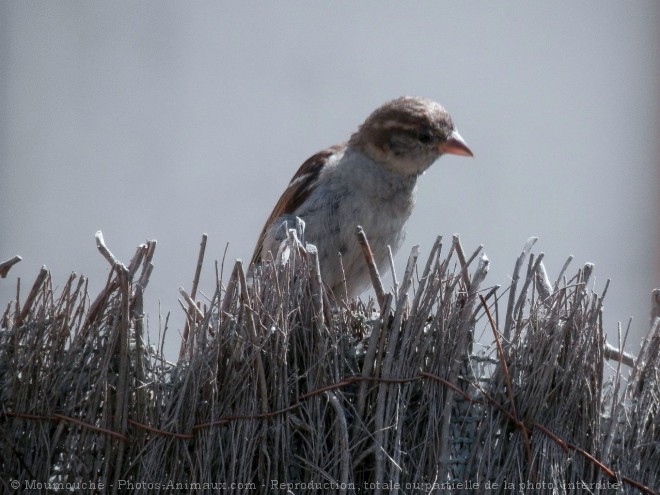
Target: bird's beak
{"x": 454, "y": 145}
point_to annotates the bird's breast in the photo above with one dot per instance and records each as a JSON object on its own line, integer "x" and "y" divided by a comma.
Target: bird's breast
{"x": 331, "y": 216}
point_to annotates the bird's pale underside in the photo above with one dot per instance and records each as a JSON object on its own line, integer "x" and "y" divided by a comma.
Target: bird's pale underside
{"x": 369, "y": 181}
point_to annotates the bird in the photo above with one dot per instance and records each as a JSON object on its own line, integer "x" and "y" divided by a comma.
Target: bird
{"x": 370, "y": 181}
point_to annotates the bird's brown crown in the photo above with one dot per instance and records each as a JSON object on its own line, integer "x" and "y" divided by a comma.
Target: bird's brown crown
{"x": 406, "y": 135}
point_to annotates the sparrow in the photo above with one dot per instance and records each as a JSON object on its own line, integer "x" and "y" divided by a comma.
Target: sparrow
{"x": 369, "y": 181}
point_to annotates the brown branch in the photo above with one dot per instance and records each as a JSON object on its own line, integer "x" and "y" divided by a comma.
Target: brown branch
{"x": 180, "y": 436}
{"x": 68, "y": 419}
{"x": 192, "y": 307}
{"x": 371, "y": 265}
{"x": 36, "y": 287}
{"x": 509, "y": 386}
{"x": 5, "y": 266}
{"x": 103, "y": 249}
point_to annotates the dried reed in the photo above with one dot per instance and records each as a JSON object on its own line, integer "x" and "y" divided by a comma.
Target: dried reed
{"x": 281, "y": 389}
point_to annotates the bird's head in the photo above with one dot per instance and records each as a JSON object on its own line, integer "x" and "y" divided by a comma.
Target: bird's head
{"x": 408, "y": 134}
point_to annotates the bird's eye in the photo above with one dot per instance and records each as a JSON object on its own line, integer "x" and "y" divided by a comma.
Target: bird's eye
{"x": 425, "y": 136}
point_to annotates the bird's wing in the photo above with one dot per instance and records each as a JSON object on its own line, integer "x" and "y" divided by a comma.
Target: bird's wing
{"x": 301, "y": 186}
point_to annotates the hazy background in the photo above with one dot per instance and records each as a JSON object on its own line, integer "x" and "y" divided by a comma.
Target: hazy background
{"x": 163, "y": 120}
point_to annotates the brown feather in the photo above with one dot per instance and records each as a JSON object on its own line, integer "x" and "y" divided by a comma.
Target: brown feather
{"x": 300, "y": 187}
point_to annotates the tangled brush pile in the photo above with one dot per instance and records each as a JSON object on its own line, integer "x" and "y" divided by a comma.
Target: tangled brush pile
{"x": 278, "y": 387}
